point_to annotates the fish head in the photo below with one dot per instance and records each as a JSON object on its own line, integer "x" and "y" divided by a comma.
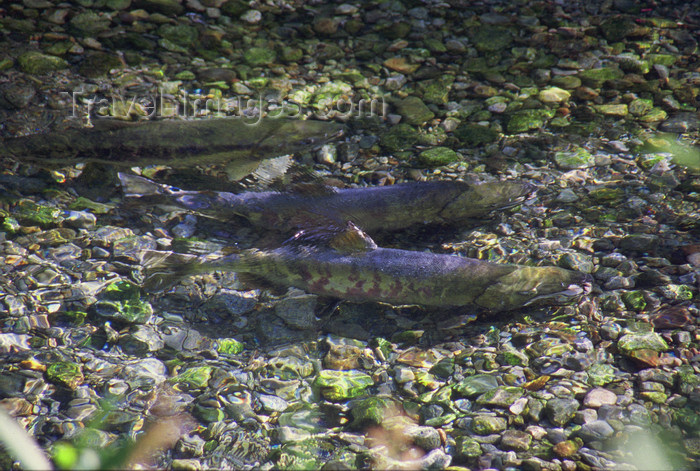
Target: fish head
{"x": 533, "y": 286}
{"x": 488, "y": 196}
{"x": 571, "y": 293}
{"x": 297, "y": 135}
{"x": 211, "y": 203}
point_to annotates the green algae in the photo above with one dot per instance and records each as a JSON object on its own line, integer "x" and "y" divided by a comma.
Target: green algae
{"x": 400, "y": 137}
{"x": 438, "y": 156}
{"x": 193, "y": 378}
{"x": 595, "y": 78}
{"x": 342, "y": 385}
{"x": 28, "y": 212}
{"x": 473, "y": 135}
{"x": 65, "y": 373}
{"x": 37, "y": 63}
{"x": 573, "y": 159}
{"x": 474, "y": 385}
{"x": 414, "y": 111}
{"x": 526, "y": 120}
{"x": 646, "y": 341}
{"x": 229, "y": 346}
{"x": 258, "y": 56}
{"x": 121, "y": 301}
{"x": 372, "y": 411}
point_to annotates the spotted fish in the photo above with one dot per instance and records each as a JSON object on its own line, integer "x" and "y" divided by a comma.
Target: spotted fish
{"x": 391, "y": 207}
{"x": 175, "y": 143}
{"x": 355, "y": 269}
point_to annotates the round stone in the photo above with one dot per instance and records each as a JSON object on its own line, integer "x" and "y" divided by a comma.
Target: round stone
{"x": 598, "y": 397}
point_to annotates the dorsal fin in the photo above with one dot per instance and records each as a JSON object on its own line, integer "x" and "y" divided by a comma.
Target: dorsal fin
{"x": 346, "y": 239}
{"x": 311, "y": 189}
{"x": 352, "y": 239}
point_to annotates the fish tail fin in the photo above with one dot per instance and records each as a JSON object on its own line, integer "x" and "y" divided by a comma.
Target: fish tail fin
{"x": 163, "y": 270}
{"x": 273, "y": 169}
{"x": 135, "y": 186}
{"x": 237, "y": 169}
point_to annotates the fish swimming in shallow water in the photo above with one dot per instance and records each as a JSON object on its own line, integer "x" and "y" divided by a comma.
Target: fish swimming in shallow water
{"x": 391, "y": 207}
{"x": 353, "y": 268}
{"x": 175, "y": 143}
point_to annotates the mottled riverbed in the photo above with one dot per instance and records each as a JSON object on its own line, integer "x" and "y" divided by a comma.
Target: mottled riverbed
{"x": 596, "y": 106}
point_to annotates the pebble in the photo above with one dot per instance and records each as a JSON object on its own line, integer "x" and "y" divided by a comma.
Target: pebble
{"x": 241, "y": 370}
{"x": 598, "y": 397}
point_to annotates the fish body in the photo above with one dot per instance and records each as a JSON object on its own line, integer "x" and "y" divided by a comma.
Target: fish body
{"x": 386, "y": 275}
{"x": 175, "y": 143}
{"x": 391, "y": 207}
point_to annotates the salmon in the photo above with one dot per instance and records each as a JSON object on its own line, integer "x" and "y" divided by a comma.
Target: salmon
{"x": 388, "y": 208}
{"x": 175, "y": 143}
{"x": 353, "y": 268}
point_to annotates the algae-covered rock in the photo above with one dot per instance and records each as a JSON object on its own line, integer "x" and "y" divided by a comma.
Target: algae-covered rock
{"x": 467, "y": 447}
{"x": 577, "y": 158}
{"x": 342, "y": 385}
{"x": 654, "y": 115}
{"x": 677, "y": 292}
{"x": 229, "y": 346}
{"x": 401, "y": 64}
{"x": 640, "y": 106}
{"x": 634, "y": 300}
{"x": 141, "y": 340}
{"x": 487, "y": 425}
{"x": 515, "y": 358}
{"x": 65, "y": 373}
{"x": 600, "y": 374}
{"x": 181, "y": 35}
{"x": 432, "y": 136}
{"x": 618, "y": 109}
{"x": 436, "y": 90}
{"x": 28, "y": 212}
{"x": 473, "y": 135}
{"x": 489, "y": 38}
{"x": 400, "y": 137}
{"x": 567, "y": 448}
{"x": 661, "y": 59}
{"x": 372, "y": 411}
{"x": 437, "y": 156}
{"x": 329, "y": 93}
{"x": 99, "y": 64}
{"x": 560, "y": 411}
{"x": 633, "y": 64}
{"x": 257, "y": 56}
{"x": 639, "y": 243}
{"x": 617, "y": 28}
{"x": 606, "y": 194}
{"x": 414, "y": 111}
{"x": 117, "y": 4}
{"x": 577, "y": 261}
{"x": 525, "y": 120}
{"x": 166, "y": 7}
{"x": 306, "y": 454}
{"x": 595, "y": 78}
{"x": 553, "y": 95}
{"x": 567, "y": 82}
{"x": 89, "y": 23}
{"x": 688, "y": 419}
{"x": 472, "y": 386}
{"x": 121, "y": 301}
{"x": 193, "y": 378}
{"x": 36, "y": 63}
{"x": 501, "y": 397}
{"x": 639, "y": 341}
{"x": 291, "y": 54}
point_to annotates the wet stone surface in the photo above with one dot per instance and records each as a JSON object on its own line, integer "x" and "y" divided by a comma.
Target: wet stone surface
{"x": 593, "y": 103}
